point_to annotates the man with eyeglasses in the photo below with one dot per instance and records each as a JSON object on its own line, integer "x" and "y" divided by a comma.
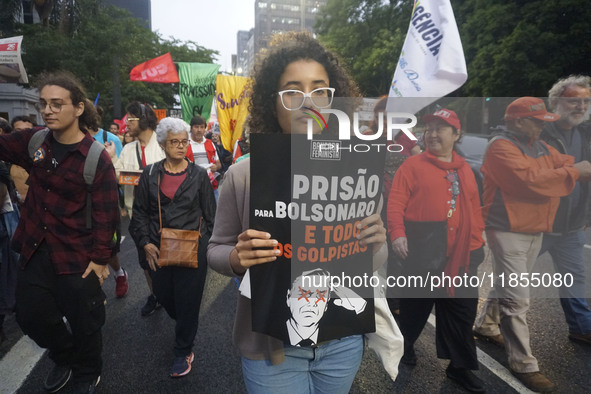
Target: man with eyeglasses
{"x": 524, "y": 179}
{"x": 64, "y": 251}
{"x": 141, "y": 122}
{"x": 570, "y": 98}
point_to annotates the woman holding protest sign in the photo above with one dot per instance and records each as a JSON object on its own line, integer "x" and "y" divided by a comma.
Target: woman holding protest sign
{"x": 436, "y": 227}
{"x": 296, "y": 73}
{"x": 175, "y": 194}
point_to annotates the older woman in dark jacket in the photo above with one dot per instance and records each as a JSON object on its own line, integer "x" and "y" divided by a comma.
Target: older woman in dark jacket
{"x": 187, "y": 203}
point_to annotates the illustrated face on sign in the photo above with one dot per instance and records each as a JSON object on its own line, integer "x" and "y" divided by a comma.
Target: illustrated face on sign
{"x": 304, "y": 83}
{"x": 307, "y": 304}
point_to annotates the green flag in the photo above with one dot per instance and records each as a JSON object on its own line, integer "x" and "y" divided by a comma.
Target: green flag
{"x": 197, "y": 88}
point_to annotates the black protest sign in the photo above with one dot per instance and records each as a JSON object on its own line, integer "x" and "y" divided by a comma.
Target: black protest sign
{"x": 310, "y": 195}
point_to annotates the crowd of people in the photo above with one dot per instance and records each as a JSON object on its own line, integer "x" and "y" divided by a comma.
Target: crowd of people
{"x": 60, "y": 183}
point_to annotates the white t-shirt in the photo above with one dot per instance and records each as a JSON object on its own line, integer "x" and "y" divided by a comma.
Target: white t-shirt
{"x": 200, "y": 155}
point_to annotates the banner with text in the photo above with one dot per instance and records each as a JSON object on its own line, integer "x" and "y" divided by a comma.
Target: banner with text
{"x": 197, "y": 88}
{"x": 160, "y": 69}
{"x": 232, "y": 108}
{"x": 310, "y": 200}
{"x": 12, "y": 69}
{"x": 431, "y": 63}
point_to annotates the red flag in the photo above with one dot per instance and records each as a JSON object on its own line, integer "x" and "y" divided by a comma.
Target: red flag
{"x": 122, "y": 124}
{"x": 160, "y": 69}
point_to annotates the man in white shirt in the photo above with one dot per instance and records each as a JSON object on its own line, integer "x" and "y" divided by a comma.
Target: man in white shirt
{"x": 203, "y": 151}
{"x": 141, "y": 122}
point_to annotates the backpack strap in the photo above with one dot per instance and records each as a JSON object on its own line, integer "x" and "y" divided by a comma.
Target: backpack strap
{"x": 36, "y": 141}
{"x": 90, "y": 165}
{"x": 502, "y": 137}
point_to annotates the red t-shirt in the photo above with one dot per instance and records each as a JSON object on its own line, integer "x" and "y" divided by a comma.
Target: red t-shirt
{"x": 171, "y": 182}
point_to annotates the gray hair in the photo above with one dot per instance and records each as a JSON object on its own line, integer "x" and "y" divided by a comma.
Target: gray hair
{"x": 557, "y": 90}
{"x": 170, "y": 125}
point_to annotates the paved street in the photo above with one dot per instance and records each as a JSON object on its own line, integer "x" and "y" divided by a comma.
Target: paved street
{"x": 138, "y": 351}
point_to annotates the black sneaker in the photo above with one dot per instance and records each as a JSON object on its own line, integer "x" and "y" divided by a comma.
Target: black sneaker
{"x": 86, "y": 386}
{"x": 465, "y": 378}
{"x": 409, "y": 358}
{"x": 151, "y": 305}
{"x": 181, "y": 366}
{"x": 57, "y": 378}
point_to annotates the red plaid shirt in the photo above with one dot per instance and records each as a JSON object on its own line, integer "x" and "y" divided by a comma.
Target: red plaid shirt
{"x": 55, "y": 208}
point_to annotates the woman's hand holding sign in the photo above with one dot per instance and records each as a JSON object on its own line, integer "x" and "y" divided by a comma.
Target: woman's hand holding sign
{"x": 372, "y": 232}
{"x": 253, "y": 247}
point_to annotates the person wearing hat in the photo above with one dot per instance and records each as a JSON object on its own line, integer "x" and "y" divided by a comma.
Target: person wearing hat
{"x": 524, "y": 179}
{"x": 434, "y": 215}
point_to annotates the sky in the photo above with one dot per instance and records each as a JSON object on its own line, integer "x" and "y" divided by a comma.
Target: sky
{"x": 212, "y": 24}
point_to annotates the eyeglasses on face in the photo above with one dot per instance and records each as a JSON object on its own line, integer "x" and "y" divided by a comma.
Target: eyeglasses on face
{"x": 293, "y": 99}
{"x": 536, "y": 121}
{"x": 54, "y": 106}
{"x": 131, "y": 119}
{"x": 175, "y": 143}
{"x": 577, "y": 101}
{"x": 440, "y": 129}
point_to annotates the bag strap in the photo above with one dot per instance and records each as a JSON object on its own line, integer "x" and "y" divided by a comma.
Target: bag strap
{"x": 36, "y": 141}
{"x": 90, "y": 166}
{"x": 160, "y": 210}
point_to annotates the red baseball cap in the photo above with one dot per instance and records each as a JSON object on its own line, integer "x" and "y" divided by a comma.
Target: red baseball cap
{"x": 529, "y": 107}
{"x": 447, "y": 115}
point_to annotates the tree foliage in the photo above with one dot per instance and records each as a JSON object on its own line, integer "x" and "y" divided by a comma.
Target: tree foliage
{"x": 368, "y": 36}
{"x": 521, "y": 47}
{"x": 100, "y": 45}
{"x": 512, "y": 47}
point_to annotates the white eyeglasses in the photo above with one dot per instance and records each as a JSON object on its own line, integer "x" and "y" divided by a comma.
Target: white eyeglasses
{"x": 293, "y": 99}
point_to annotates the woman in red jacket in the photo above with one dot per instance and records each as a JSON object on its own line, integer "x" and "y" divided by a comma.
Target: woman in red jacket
{"x": 436, "y": 229}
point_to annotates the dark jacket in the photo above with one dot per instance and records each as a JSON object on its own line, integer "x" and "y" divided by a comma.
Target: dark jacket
{"x": 566, "y": 221}
{"x": 193, "y": 200}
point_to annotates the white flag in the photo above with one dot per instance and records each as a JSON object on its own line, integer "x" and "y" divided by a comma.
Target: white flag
{"x": 11, "y": 65}
{"x": 431, "y": 63}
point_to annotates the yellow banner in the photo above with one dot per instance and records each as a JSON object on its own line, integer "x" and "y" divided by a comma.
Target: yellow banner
{"x": 232, "y": 107}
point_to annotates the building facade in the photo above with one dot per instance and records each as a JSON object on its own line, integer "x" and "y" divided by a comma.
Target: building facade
{"x": 275, "y": 16}
{"x": 243, "y": 63}
{"x": 141, "y": 9}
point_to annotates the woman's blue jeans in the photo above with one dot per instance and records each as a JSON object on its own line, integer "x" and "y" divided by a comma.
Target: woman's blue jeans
{"x": 329, "y": 368}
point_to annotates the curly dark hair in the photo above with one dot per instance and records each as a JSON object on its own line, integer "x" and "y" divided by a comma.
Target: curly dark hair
{"x": 285, "y": 49}
{"x": 89, "y": 120}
